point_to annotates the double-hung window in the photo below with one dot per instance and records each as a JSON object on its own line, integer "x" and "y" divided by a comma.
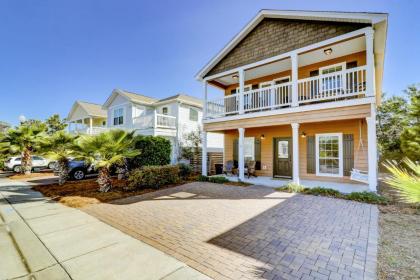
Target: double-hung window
{"x": 329, "y": 154}
{"x": 118, "y": 116}
{"x": 193, "y": 115}
{"x": 249, "y": 148}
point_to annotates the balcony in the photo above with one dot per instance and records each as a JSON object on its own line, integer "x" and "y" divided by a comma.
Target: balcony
{"x": 94, "y": 130}
{"x": 154, "y": 121}
{"x": 340, "y": 85}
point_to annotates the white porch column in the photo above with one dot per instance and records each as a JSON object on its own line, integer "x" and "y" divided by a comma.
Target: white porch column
{"x": 204, "y": 153}
{"x": 295, "y": 68}
{"x": 205, "y": 100}
{"x": 370, "y": 63}
{"x": 241, "y": 90}
{"x": 372, "y": 151}
{"x": 90, "y": 126}
{"x": 295, "y": 141}
{"x": 241, "y": 159}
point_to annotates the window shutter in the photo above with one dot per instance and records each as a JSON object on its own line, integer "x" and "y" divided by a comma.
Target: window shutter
{"x": 310, "y": 154}
{"x": 348, "y": 153}
{"x": 257, "y": 152}
{"x": 235, "y": 151}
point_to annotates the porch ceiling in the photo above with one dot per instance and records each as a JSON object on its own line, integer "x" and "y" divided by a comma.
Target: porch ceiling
{"x": 340, "y": 49}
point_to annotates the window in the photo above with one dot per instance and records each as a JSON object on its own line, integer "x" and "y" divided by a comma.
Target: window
{"x": 193, "y": 115}
{"x": 332, "y": 82}
{"x": 351, "y": 64}
{"x": 282, "y": 80}
{"x": 165, "y": 110}
{"x": 283, "y": 149}
{"x": 329, "y": 154}
{"x": 119, "y": 116}
{"x": 332, "y": 68}
{"x": 249, "y": 148}
{"x": 36, "y": 158}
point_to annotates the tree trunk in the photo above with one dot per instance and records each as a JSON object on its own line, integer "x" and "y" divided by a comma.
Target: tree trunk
{"x": 63, "y": 171}
{"x": 26, "y": 163}
{"x": 104, "y": 180}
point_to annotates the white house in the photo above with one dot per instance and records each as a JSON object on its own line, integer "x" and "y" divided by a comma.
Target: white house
{"x": 171, "y": 117}
{"x": 86, "y": 117}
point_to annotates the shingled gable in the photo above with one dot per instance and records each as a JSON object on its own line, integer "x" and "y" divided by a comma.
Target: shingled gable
{"x": 274, "y": 36}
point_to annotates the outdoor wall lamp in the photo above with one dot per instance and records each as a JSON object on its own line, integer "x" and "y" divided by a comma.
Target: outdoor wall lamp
{"x": 303, "y": 135}
{"x": 262, "y": 137}
{"x": 235, "y": 77}
{"x": 328, "y": 51}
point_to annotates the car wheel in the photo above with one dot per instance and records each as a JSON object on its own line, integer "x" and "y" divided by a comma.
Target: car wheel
{"x": 16, "y": 169}
{"x": 51, "y": 165}
{"x": 78, "y": 174}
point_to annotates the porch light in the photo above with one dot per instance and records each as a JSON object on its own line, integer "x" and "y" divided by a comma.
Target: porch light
{"x": 262, "y": 137}
{"x": 303, "y": 135}
{"x": 235, "y": 77}
{"x": 328, "y": 51}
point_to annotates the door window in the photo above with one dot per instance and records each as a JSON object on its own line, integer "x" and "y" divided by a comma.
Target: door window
{"x": 283, "y": 149}
{"x": 329, "y": 154}
{"x": 249, "y": 148}
{"x": 331, "y": 82}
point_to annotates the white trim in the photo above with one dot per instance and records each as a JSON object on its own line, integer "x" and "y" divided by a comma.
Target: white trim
{"x": 282, "y": 78}
{"x": 309, "y": 15}
{"x": 295, "y": 154}
{"x": 305, "y": 108}
{"x": 273, "y": 82}
{"x": 340, "y": 154}
{"x": 342, "y": 64}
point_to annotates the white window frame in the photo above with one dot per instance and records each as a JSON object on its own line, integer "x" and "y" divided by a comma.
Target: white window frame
{"x": 282, "y": 78}
{"x": 253, "y": 146}
{"x": 340, "y": 154}
{"x": 189, "y": 114}
{"x": 167, "y": 110}
{"x": 249, "y": 87}
{"x": 342, "y": 64}
{"x": 123, "y": 115}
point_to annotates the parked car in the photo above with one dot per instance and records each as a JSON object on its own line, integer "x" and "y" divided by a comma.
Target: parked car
{"x": 15, "y": 163}
{"x": 78, "y": 169}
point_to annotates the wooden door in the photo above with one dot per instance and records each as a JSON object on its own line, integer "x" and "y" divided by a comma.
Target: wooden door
{"x": 283, "y": 157}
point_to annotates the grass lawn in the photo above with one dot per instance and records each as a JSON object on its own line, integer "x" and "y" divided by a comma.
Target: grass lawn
{"x": 399, "y": 240}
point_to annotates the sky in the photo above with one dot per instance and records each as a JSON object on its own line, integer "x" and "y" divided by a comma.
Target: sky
{"x": 54, "y": 52}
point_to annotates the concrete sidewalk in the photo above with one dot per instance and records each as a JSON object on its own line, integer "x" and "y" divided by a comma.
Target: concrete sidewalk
{"x": 58, "y": 242}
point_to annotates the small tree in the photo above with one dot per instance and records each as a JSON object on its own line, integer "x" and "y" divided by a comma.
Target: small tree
{"x": 25, "y": 139}
{"x": 191, "y": 144}
{"x": 104, "y": 151}
{"x": 410, "y": 137}
{"x": 407, "y": 182}
{"x": 55, "y": 123}
{"x": 60, "y": 146}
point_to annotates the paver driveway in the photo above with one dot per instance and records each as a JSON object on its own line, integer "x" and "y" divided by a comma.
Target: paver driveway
{"x": 232, "y": 232}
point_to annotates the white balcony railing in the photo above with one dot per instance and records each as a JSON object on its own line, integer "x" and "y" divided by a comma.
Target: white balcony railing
{"x": 334, "y": 86}
{"x": 154, "y": 121}
{"x": 88, "y": 130}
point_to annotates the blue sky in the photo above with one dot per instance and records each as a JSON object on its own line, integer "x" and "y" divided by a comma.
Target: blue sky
{"x": 55, "y": 52}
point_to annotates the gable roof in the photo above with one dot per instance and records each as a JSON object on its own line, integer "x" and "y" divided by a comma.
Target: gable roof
{"x": 130, "y": 96}
{"x": 183, "y": 98}
{"x": 353, "y": 17}
{"x": 91, "y": 109}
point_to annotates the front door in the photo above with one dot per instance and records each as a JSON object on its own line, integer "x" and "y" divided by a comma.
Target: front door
{"x": 282, "y": 157}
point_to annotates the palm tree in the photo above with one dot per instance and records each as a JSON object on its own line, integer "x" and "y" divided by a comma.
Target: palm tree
{"x": 25, "y": 139}
{"x": 105, "y": 150}
{"x": 407, "y": 182}
{"x": 60, "y": 147}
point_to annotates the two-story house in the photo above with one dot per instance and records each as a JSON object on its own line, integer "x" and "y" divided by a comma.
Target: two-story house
{"x": 299, "y": 92}
{"x": 173, "y": 117}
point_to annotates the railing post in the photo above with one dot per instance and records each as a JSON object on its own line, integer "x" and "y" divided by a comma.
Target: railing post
{"x": 205, "y": 100}
{"x": 294, "y": 59}
{"x": 241, "y": 90}
{"x": 370, "y": 63}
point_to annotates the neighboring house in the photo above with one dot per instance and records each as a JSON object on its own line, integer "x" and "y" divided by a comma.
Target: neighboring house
{"x": 171, "y": 117}
{"x": 86, "y": 118}
{"x": 300, "y": 94}
{"x": 4, "y": 126}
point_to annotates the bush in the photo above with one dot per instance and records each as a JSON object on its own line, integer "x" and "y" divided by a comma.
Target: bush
{"x": 185, "y": 170}
{"x": 155, "y": 150}
{"x": 218, "y": 179}
{"x": 203, "y": 178}
{"x": 291, "y": 188}
{"x": 323, "y": 192}
{"x": 153, "y": 176}
{"x": 368, "y": 197}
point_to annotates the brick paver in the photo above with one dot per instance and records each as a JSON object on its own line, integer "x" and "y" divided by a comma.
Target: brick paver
{"x": 231, "y": 232}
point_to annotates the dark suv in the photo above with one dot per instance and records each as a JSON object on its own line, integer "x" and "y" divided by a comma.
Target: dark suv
{"x": 78, "y": 169}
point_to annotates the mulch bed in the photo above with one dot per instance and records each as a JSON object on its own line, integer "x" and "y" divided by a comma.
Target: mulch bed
{"x": 31, "y": 175}
{"x": 399, "y": 231}
{"x": 82, "y": 193}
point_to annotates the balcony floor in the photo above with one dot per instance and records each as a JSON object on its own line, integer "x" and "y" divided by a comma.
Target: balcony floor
{"x": 277, "y": 182}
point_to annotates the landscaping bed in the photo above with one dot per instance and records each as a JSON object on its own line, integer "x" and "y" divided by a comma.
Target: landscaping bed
{"x": 19, "y": 176}
{"x": 82, "y": 193}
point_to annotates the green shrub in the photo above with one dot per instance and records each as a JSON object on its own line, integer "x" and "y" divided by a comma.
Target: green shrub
{"x": 218, "y": 179}
{"x": 291, "y": 188}
{"x": 185, "y": 170}
{"x": 368, "y": 197}
{"x": 202, "y": 178}
{"x": 323, "y": 192}
{"x": 155, "y": 150}
{"x": 153, "y": 176}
